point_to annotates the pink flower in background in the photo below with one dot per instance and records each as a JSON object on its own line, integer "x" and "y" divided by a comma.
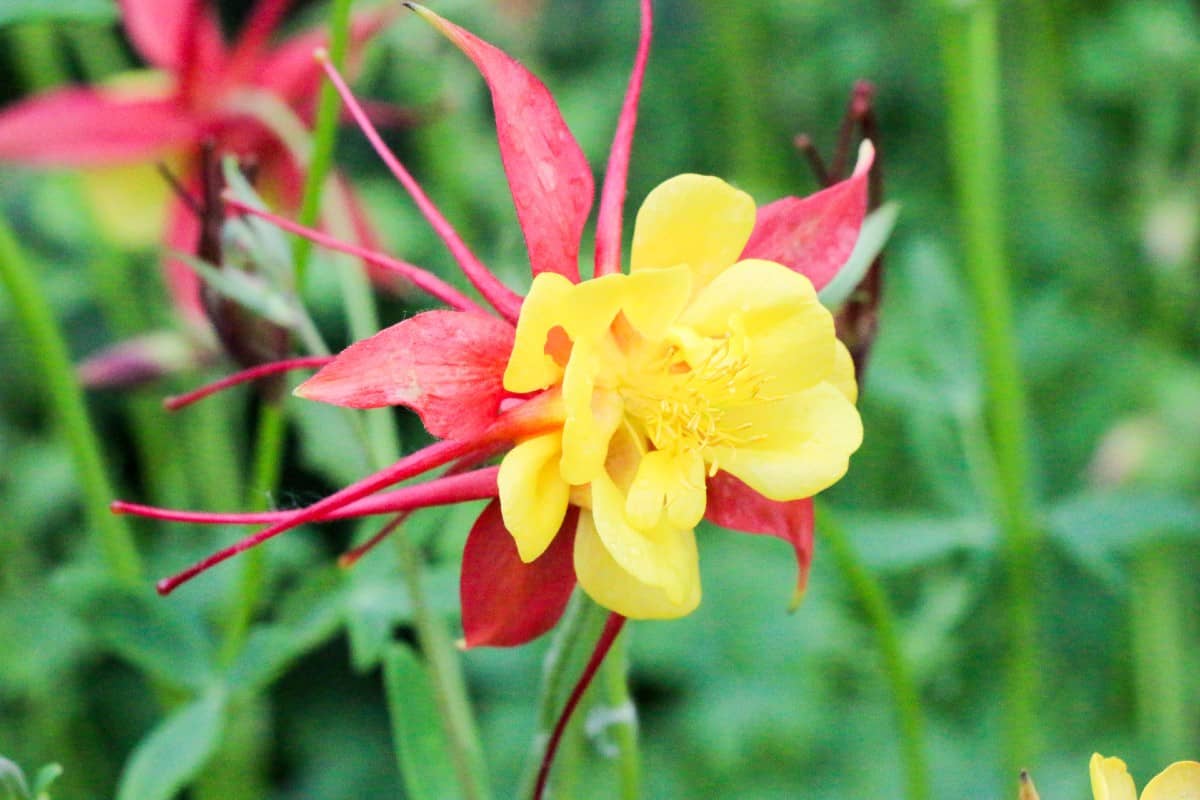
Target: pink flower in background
{"x": 200, "y": 89}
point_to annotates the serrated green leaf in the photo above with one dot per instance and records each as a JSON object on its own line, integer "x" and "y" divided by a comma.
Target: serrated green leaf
{"x": 154, "y": 635}
{"x": 422, "y": 752}
{"x": 13, "y": 12}
{"x": 167, "y": 760}
{"x": 872, "y": 238}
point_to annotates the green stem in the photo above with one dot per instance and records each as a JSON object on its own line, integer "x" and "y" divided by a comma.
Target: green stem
{"x": 265, "y": 472}
{"x": 50, "y": 354}
{"x": 36, "y": 54}
{"x": 574, "y": 638}
{"x": 1160, "y": 652}
{"x": 329, "y": 109}
{"x": 450, "y": 689}
{"x": 971, "y": 61}
{"x": 905, "y": 697}
{"x": 615, "y": 675}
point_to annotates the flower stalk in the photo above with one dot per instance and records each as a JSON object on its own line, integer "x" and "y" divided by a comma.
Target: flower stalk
{"x": 115, "y": 540}
{"x": 971, "y": 63}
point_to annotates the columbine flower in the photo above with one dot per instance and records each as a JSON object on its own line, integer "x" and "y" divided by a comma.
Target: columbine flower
{"x": 199, "y": 91}
{"x": 705, "y": 383}
{"x": 1111, "y": 781}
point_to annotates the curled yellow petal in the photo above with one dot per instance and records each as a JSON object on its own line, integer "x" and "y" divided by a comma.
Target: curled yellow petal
{"x": 612, "y": 586}
{"x": 1110, "y": 779}
{"x": 533, "y": 496}
{"x": 530, "y": 367}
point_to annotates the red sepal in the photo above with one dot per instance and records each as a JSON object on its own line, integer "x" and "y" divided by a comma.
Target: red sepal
{"x": 174, "y": 34}
{"x": 732, "y": 504}
{"x": 551, "y": 181}
{"x": 448, "y": 366}
{"x": 77, "y": 127}
{"x": 506, "y": 602}
{"x": 813, "y": 235}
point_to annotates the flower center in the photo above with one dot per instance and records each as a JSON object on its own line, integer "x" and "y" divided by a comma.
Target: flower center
{"x": 678, "y": 393}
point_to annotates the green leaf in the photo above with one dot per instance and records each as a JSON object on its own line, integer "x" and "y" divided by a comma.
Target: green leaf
{"x": 872, "y": 238}
{"x": 167, "y": 760}
{"x": 245, "y": 289}
{"x": 271, "y": 649}
{"x": 12, "y": 781}
{"x": 1095, "y": 529}
{"x": 45, "y": 776}
{"x": 17, "y": 11}
{"x": 421, "y": 748}
{"x": 153, "y": 634}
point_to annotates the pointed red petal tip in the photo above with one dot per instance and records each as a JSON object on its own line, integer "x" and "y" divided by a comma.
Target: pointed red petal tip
{"x": 506, "y": 602}
{"x": 734, "y": 505}
{"x": 551, "y": 182}
{"x": 448, "y": 366}
{"x": 814, "y": 235}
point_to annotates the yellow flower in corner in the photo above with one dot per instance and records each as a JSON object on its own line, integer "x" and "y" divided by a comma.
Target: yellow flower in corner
{"x": 1111, "y": 781}
{"x": 694, "y": 362}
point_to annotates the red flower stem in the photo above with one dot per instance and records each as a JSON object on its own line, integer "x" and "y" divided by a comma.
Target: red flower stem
{"x": 612, "y": 196}
{"x": 421, "y": 461}
{"x": 612, "y": 627}
{"x": 420, "y": 278}
{"x": 483, "y": 481}
{"x": 506, "y": 302}
{"x": 176, "y": 402}
{"x": 448, "y": 490}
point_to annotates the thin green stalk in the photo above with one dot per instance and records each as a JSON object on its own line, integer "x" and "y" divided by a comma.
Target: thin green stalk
{"x": 906, "y": 699}
{"x": 574, "y": 637}
{"x": 735, "y": 30}
{"x": 265, "y": 472}
{"x": 1161, "y": 651}
{"x": 624, "y": 727}
{"x": 329, "y": 107}
{"x": 449, "y": 686}
{"x": 49, "y": 352}
{"x": 971, "y": 61}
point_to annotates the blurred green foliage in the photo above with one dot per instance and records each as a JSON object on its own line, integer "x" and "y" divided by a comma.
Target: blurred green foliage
{"x": 1100, "y": 107}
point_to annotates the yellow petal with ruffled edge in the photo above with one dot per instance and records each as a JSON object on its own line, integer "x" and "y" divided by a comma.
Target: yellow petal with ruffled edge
{"x": 533, "y": 496}
{"x": 1110, "y": 779}
{"x": 789, "y": 333}
{"x": 1180, "y": 781}
{"x": 662, "y": 557}
{"x": 795, "y": 446}
{"x": 610, "y": 585}
{"x": 696, "y": 220}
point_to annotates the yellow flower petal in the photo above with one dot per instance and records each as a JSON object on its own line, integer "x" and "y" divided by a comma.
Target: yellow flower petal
{"x": 1110, "y": 779}
{"x": 671, "y": 483}
{"x": 696, "y": 220}
{"x": 1180, "y": 781}
{"x": 655, "y": 298}
{"x": 613, "y": 587}
{"x": 789, "y": 333}
{"x": 797, "y": 445}
{"x": 842, "y": 375}
{"x": 663, "y": 557}
{"x": 530, "y": 368}
{"x": 533, "y": 496}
